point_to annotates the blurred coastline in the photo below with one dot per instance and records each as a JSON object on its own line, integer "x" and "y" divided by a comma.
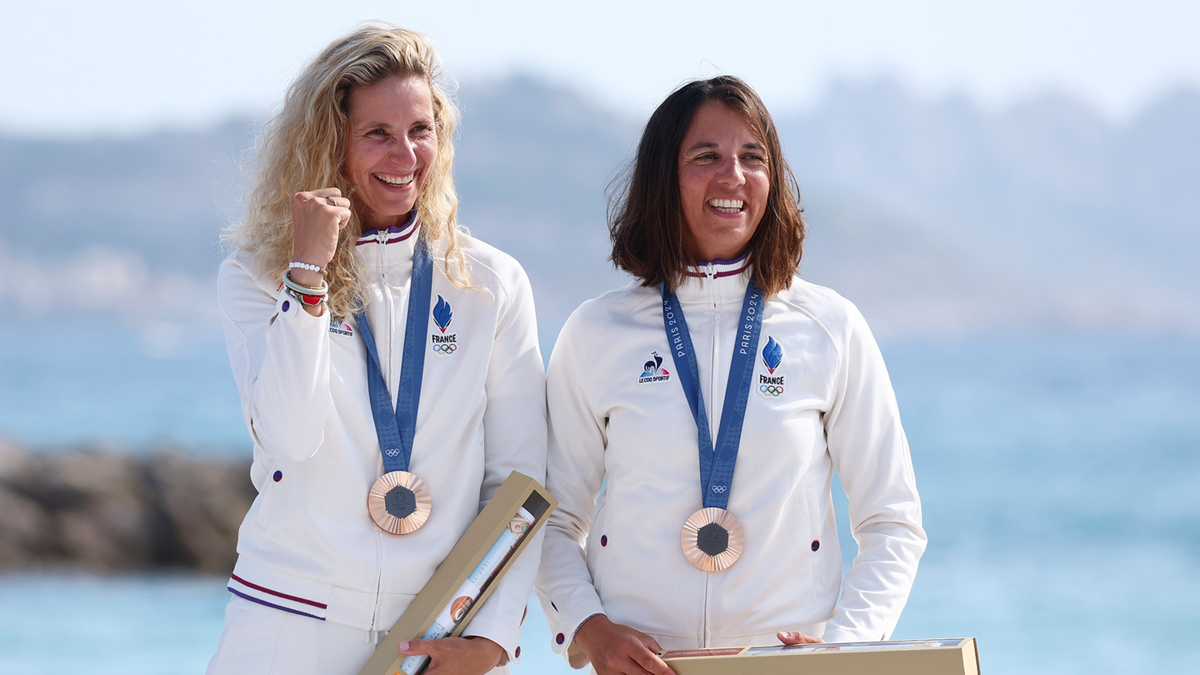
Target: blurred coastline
{"x": 113, "y": 512}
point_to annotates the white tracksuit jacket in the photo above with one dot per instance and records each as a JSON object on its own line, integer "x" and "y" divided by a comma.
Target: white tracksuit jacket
{"x": 308, "y": 544}
{"x": 616, "y": 415}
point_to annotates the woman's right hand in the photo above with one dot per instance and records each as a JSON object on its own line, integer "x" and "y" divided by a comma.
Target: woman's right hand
{"x": 795, "y": 637}
{"x": 317, "y": 218}
{"x": 616, "y": 649}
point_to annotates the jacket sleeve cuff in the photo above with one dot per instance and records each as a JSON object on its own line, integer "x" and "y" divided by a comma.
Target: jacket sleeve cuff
{"x": 502, "y": 633}
{"x": 292, "y": 309}
{"x": 562, "y": 634}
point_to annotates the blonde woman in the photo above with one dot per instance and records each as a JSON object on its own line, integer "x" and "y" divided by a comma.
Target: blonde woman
{"x": 388, "y": 369}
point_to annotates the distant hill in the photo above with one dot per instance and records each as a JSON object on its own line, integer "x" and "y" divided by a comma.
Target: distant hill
{"x": 933, "y": 216}
{"x": 532, "y": 164}
{"x": 1045, "y": 216}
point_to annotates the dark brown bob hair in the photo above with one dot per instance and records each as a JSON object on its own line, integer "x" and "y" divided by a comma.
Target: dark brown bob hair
{"x": 645, "y": 213}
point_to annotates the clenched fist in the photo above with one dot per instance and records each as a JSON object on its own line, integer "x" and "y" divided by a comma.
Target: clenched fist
{"x": 317, "y": 218}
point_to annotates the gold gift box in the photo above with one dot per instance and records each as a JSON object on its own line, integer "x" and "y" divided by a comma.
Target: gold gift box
{"x": 944, "y": 656}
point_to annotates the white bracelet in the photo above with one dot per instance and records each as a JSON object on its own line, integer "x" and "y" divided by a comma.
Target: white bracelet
{"x": 305, "y": 266}
{"x": 307, "y": 290}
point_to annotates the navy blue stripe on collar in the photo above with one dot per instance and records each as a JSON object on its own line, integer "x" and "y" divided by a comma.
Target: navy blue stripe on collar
{"x": 395, "y": 233}
{"x": 721, "y": 268}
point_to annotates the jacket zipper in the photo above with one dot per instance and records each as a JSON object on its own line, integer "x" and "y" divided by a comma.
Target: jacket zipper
{"x": 713, "y": 308}
{"x": 381, "y": 259}
{"x": 389, "y": 304}
{"x": 378, "y": 580}
{"x": 714, "y": 362}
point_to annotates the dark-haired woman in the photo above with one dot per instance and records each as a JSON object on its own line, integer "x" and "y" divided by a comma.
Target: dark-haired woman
{"x": 698, "y": 414}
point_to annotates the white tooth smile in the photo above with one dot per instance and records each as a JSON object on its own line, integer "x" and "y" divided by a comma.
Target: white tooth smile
{"x": 398, "y": 181}
{"x": 727, "y": 205}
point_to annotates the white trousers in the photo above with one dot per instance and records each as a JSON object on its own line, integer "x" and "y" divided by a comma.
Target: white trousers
{"x": 260, "y": 640}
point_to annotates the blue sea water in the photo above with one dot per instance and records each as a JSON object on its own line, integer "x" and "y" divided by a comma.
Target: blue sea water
{"x": 1060, "y": 481}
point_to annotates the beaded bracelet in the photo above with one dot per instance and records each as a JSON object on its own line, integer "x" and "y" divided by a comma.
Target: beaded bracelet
{"x": 305, "y": 266}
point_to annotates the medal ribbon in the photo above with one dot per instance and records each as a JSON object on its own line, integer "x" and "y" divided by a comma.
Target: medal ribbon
{"x": 716, "y": 467}
{"x": 395, "y": 427}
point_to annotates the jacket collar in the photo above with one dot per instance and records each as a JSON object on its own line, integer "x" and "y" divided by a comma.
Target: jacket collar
{"x": 393, "y": 245}
{"x": 716, "y": 281}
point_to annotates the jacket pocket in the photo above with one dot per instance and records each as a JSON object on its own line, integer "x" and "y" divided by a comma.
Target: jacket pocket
{"x": 815, "y": 554}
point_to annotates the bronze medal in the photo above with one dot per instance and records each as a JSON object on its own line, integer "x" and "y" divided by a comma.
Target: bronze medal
{"x": 712, "y": 539}
{"x": 399, "y": 502}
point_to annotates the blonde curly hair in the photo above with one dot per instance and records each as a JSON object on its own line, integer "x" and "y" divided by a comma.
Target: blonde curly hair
{"x": 302, "y": 149}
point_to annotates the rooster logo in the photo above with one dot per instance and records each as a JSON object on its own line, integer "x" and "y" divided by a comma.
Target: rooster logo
{"x": 652, "y": 370}
{"x": 652, "y": 367}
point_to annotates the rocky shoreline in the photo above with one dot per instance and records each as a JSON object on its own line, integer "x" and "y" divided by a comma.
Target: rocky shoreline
{"x": 113, "y": 512}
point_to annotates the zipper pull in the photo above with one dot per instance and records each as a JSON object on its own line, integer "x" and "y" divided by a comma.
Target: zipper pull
{"x": 711, "y": 273}
{"x": 381, "y": 236}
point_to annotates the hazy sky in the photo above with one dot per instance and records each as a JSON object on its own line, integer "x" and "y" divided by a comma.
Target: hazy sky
{"x": 74, "y": 67}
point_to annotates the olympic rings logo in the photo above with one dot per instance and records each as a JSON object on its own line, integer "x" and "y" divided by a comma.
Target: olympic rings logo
{"x": 444, "y": 348}
{"x": 719, "y": 489}
{"x": 771, "y": 389}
